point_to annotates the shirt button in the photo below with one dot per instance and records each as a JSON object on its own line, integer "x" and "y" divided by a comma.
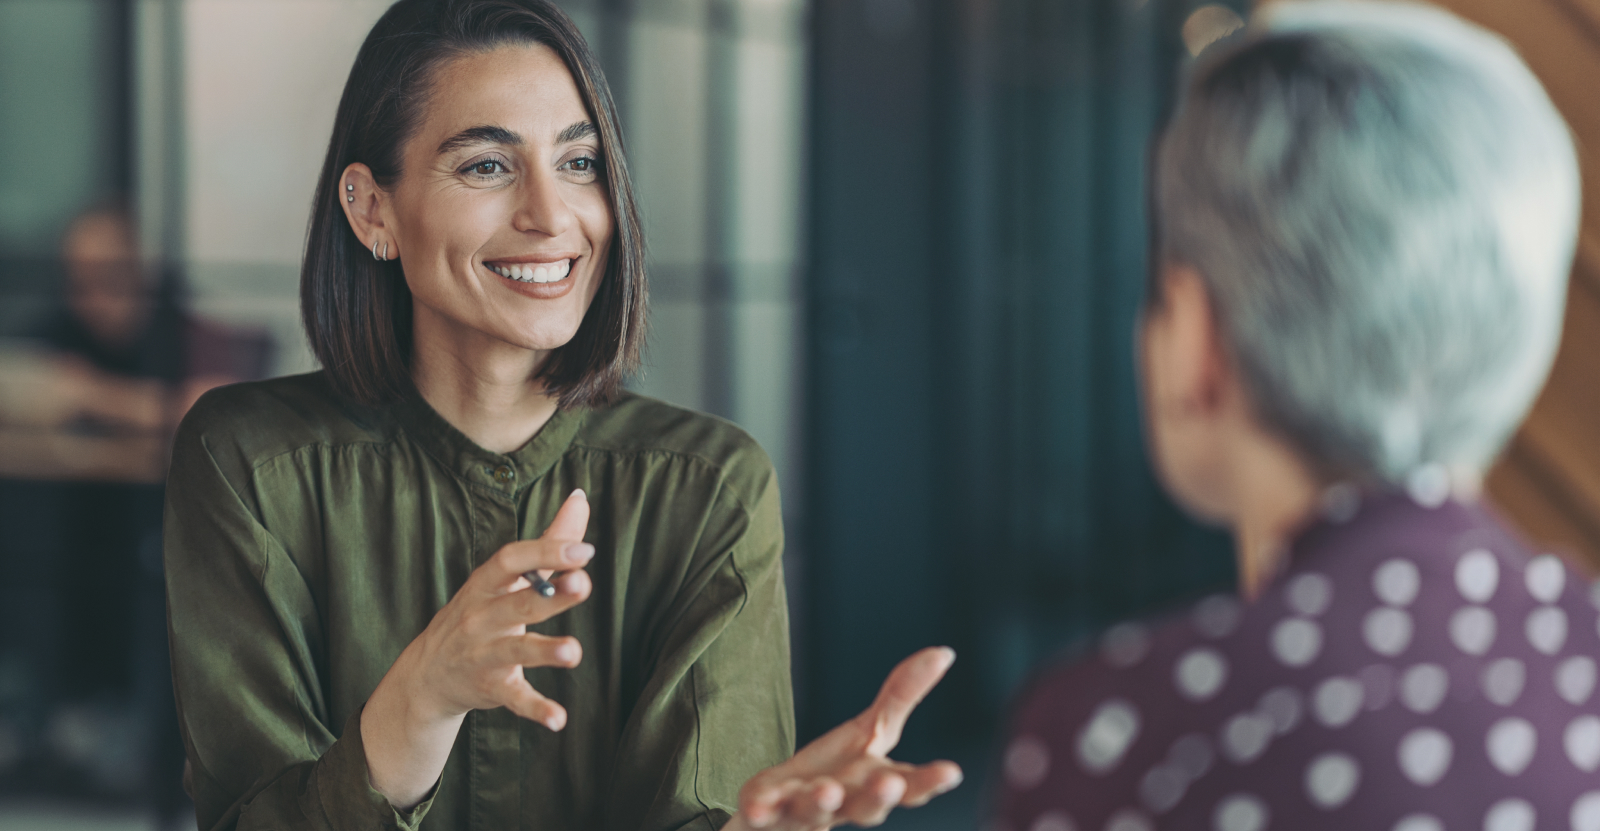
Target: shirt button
{"x": 504, "y": 474}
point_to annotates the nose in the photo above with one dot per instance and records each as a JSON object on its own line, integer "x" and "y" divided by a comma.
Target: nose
{"x": 543, "y": 208}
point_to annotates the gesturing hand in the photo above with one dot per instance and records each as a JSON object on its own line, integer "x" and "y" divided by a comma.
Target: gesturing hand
{"x": 846, "y": 775}
{"x": 471, "y": 657}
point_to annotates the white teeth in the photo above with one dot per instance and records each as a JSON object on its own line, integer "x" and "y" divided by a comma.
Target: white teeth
{"x": 551, "y": 273}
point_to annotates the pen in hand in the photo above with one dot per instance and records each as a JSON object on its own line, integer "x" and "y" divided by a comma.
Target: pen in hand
{"x": 544, "y": 587}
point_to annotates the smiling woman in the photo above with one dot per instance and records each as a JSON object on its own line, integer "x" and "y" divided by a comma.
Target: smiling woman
{"x": 458, "y": 578}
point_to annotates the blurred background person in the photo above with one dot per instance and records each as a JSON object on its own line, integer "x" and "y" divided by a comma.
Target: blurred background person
{"x": 89, "y": 398}
{"x": 1365, "y": 215}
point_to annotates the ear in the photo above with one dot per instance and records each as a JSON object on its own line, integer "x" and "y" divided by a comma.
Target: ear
{"x": 1201, "y": 377}
{"x": 369, "y": 209}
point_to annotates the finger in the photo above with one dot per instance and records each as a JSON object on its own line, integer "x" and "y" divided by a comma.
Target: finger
{"x": 572, "y": 520}
{"x": 503, "y": 572}
{"x": 527, "y": 606}
{"x": 535, "y": 650}
{"x": 906, "y": 686}
{"x": 813, "y": 806}
{"x": 528, "y": 703}
{"x": 762, "y": 799}
{"x": 870, "y": 805}
{"x": 924, "y": 782}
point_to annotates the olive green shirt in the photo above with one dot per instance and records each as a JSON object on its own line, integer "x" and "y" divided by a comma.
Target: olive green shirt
{"x": 310, "y": 539}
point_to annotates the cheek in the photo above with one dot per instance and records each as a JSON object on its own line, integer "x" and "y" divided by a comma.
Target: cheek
{"x": 1179, "y": 451}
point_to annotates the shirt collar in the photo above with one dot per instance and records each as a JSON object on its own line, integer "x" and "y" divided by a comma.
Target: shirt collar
{"x": 504, "y": 472}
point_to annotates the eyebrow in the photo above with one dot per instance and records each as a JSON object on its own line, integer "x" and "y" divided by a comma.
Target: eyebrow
{"x": 492, "y": 134}
{"x": 580, "y": 130}
{"x": 482, "y": 134}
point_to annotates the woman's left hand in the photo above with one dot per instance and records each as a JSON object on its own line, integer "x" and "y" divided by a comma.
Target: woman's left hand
{"x": 846, "y": 776}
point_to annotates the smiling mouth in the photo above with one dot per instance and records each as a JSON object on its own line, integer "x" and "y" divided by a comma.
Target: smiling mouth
{"x": 533, "y": 272}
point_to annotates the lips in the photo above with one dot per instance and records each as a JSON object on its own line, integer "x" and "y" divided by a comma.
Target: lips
{"x": 533, "y": 272}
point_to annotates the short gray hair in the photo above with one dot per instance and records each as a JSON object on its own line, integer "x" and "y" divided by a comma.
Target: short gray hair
{"x": 1383, "y": 204}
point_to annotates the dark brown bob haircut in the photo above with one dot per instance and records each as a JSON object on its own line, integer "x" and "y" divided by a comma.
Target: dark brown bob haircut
{"x": 357, "y": 310}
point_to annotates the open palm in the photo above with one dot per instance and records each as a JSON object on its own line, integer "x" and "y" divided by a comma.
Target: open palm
{"x": 846, "y": 776}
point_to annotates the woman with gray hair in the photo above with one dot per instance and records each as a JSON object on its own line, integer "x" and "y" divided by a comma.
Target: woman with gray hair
{"x": 1365, "y": 214}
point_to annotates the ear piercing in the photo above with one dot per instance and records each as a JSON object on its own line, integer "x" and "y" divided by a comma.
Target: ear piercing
{"x": 385, "y": 257}
{"x": 349, "y": 197}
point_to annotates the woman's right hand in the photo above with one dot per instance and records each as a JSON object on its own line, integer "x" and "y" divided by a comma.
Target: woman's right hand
{"x": 472, "y": 655}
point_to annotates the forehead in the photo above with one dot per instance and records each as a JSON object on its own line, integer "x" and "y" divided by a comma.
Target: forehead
{"x": 523, "y": 87}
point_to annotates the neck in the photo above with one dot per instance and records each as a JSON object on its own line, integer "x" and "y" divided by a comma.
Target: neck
{"x": 1276, "y": 493}
{"x": 486, "y": 388}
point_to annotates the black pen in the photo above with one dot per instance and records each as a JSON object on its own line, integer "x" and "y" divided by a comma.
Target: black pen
{"x": 544, "y": 587}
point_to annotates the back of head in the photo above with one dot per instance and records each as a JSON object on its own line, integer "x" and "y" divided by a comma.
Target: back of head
{"x": 1383, "y": 203}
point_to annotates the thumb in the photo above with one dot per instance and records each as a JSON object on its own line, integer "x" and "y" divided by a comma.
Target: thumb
{"x": 906, "y": 686}
{"x": 572, "y": 520}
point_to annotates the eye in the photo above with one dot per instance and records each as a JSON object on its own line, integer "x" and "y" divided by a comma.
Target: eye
{"x": 586, "y": 165}
{"x": 485, "y": 169}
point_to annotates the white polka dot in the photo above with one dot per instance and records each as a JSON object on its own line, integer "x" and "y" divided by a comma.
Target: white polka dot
{"x": 1331, "y": 779}
{"x": 1477, "y": 574}
{"x": 1106, "y": 737}
{"x": 1396, "y": 582}
{"x": 1340, "y": 502}
{"x": 1503, "y": 680}
{"x": 1429, "y": 485}
{"x": 1547, "y": 629}
{"x": 1418, "y": 822}
{"x": 1192, "y": 754}
{"x": 1423, "y": 686}
{"x": 1201, "y": 673}
{"x": 1162, "y": 787}
{"x": 1296, "y": 641}
{"x": 1472, "y": 629}
{"x": 1240, "y": 812}
{"x": 1586, "y": 812}
{"x": 1377, "y": 685}
{"x": 1511, "y": 744}
{"x": 1027, "y": 762}
{"x": 1337, "y": 701}
{"x": 1509, "y": 815}
{"x": 1387, "y": 630}
{"x": 1217, "y": 616}
{"x": 1245, "y": 737}
{"x": 1582, "y": 741}
{"x": 1425, "y": 755}
{"x": 1283, "y": 706}
{"x": 1575, "y": 679}
{"x": 1053, "y": 821}
{"x": 1309, "y": 594}
{"x": 1128, "y": 819}
{"x": 1124, "y": 645}
{"x": 1546, "y": 577}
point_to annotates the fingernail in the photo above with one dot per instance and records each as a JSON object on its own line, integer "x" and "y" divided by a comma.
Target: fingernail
{"x": 577, "y": 493}
{"x": 556, "y": 721}
{"x": 577, "y": 552}
{"x": 568, "y": 651}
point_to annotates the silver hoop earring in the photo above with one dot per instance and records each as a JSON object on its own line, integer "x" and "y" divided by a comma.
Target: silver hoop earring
{"x": 375, "y": 251}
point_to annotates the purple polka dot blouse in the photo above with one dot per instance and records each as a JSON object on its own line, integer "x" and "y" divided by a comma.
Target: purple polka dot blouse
{"x": 1412, "y": 670}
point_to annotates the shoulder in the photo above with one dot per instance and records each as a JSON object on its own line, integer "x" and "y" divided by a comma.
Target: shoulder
{"x": 636, "y": 425}
{"x": 243, "y": 425}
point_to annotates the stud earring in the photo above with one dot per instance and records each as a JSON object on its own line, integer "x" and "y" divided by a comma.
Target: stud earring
{"x": 349, "y": 196}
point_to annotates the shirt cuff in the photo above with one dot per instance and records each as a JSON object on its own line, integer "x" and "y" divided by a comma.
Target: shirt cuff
{"x": 345, "y": 788}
